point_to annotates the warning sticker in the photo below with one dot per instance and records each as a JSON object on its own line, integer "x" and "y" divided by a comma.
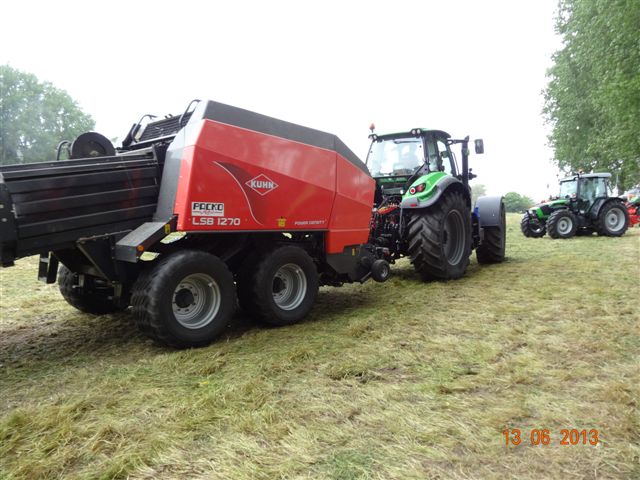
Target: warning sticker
{"x": 207, "y": 209}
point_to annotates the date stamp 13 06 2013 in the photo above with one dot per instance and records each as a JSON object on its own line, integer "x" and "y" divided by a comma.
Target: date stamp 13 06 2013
{"x": 544, "y": 436}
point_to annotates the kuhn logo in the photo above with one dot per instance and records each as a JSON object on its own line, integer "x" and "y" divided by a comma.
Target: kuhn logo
{"x": 262, "y": 184}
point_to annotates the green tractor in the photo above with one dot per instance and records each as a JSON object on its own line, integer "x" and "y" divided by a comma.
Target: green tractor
{"x": 422, "y": 204}
{"x": 583, "y": 207}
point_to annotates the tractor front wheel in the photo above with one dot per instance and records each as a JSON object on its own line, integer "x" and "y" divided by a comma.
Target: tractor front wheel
{"x": 613, "y": 220}
{"x": 185, "y": 300}
{"x": 439, "y": 238}
{"x": 532, "y": 228}
{"x": 278, "y": 287}
{"x": 562, "y": 224}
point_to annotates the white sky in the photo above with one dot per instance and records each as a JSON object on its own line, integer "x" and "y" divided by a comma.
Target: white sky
{"x": 468, "y": 67}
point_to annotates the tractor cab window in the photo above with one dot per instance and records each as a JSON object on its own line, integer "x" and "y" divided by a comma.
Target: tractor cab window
{"x": 432, "y": 154}
{"x": 400, "y": 156}
{"x": 568, "y": 189}
{"x": 445, "y": 161}
{"x": 592, "y": 188}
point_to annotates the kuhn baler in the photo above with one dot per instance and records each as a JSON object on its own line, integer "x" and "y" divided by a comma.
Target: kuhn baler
{"x": 218, "y": 206}
{"x": 264, "y": 207}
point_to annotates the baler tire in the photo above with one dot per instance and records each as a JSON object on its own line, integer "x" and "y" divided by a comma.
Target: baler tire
{"x": 493, "y": 247}
{"x": 602, "y": 226}
{"x": 284, "y": 267}
{"x": 185, "y": 300}
{"x": 428, "y": 236}
{"x": 528, "y": 231}
{"x": 556, "y": 226}
{"x": 244, "y": 277}
{"x": 95, "y": 303}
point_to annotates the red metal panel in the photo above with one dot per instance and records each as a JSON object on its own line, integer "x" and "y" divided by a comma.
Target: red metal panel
{"x": 352, "y": 207}
{"x": 237, "y": 179}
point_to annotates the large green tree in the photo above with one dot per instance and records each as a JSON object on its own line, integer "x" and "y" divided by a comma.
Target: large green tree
{"x": 514, "y": 202}
{"x": 34, "y": 117}
{"x": 592, "y": 100}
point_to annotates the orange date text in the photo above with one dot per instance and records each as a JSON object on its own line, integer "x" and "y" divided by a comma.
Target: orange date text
{"x": 543, "y": 436}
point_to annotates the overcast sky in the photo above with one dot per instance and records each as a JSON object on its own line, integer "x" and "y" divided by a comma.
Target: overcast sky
{"x": 468, "y": 67}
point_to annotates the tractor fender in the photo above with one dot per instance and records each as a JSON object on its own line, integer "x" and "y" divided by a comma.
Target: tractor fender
{"x": 594, "y": 211}
{"x": 488, "y": 211}
{"x": 443, "y": 185}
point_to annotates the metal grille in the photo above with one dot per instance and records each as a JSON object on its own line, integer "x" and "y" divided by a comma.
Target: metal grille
{"x": 164, "y": 127}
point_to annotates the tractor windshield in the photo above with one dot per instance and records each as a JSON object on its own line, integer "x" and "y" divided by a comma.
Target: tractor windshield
{"x": 399, "y": 156}
{"x": 568, "y": 188}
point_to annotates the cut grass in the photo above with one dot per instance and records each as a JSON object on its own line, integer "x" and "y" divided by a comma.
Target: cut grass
{"x": 397, "y": 380}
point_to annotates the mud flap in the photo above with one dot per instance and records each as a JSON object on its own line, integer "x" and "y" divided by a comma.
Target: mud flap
{"x": 488, "y": 212}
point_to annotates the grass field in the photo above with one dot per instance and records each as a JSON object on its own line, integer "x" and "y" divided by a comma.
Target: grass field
{"x": 403, "y": 380}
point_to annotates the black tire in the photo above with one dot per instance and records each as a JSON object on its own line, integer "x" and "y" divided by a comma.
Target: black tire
{"x": 439, "y": 238}
{"x": 532, "y": 228}
{"x": 380, "y": 270}
{"x": 91, "y": 298}
{"x": 493, "y": 246}
{"x": 613, "y": 220}
{"x": 562, "y": 224}
{"x": 278, "y": 287}
{"x": 185, "y": 300}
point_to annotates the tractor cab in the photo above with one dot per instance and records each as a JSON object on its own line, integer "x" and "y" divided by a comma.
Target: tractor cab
{"x": 583, "y": 190}
{"x": 402, "y": 154}
{"x": 397, "y": 160}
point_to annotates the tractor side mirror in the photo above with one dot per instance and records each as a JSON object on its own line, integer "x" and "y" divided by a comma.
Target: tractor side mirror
{"x": 479, "y": 146}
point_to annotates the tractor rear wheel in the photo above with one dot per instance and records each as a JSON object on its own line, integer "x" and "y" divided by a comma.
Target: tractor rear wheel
{"x": 532, "y": 228}
{"x": 562, "y": 224}
{"x": 185, "y": 300}
{"x": 439, "y": 238}
{"x": 613, "y": 220}
{"x": 90, "y": 298}
{"x": 280, "y": 286}
{"x": 492, "y": 248}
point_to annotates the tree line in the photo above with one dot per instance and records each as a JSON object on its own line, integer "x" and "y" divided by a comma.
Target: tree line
{"x": 34, "y": 117}
{"x": 592, "y": 100}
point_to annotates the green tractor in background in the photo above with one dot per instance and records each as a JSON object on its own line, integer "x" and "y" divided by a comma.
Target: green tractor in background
{"x": 583, "y": 207}
{"x": 422, "y": 204}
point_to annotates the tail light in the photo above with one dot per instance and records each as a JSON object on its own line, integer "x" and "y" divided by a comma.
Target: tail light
{"x": 417, "y": 189}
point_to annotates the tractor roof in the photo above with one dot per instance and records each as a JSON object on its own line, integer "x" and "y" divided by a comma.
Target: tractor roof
{"x": 390, "y": 136}
{"x": 586, "y": 175}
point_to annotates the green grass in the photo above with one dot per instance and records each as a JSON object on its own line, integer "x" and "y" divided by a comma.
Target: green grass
{"x": 398, "y": 380}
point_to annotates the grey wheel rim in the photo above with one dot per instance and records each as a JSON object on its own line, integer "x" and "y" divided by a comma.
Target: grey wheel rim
{"x": 289, "y": 286}
{"x": 196, "y": 301}
{"x": 453, "y": 237}
{"x": 614, "y": 220}
{"x": 564, "y": 225}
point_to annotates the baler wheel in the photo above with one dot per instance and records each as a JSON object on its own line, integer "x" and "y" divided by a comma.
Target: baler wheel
{"x": 185, "y": 300}
{"x": 493, "y": 245}
{"x": 91, "y": 298}
{"x": 280, "y": 287}
{"x": 439, "y": 238}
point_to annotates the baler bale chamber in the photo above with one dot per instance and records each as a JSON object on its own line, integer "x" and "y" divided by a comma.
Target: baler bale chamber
{"x": 193, "y": 214}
